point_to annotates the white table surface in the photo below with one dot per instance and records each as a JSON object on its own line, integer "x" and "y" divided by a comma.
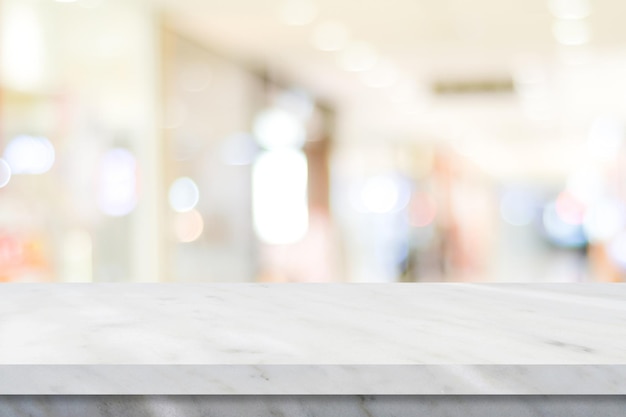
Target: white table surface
{"x": 312, "y": 339}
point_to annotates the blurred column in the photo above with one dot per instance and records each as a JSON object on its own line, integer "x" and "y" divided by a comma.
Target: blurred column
{"x": 148, "y": 246}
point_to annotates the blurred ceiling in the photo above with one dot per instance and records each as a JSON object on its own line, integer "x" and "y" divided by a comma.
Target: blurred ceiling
{"x": 559, "y": 89}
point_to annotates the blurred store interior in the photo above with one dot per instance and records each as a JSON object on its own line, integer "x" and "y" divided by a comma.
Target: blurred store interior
{"x": 312, "y": 141}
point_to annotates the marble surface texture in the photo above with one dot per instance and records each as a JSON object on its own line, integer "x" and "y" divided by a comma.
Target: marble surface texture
{"x": 318, "y": 406}
{"x": 211, "y": 339}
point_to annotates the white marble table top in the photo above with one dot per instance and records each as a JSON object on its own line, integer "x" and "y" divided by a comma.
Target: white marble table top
{"x": 313, "y": 339}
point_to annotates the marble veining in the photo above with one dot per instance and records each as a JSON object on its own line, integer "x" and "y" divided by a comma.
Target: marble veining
{"x": 313, "y": 339}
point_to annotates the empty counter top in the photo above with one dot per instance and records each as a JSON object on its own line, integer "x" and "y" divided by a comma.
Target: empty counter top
{"x": 301, "y": 339}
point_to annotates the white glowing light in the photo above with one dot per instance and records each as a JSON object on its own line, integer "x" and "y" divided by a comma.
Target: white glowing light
{"x": 571, "y": 32}
{"x": 276, "y": 128}
{"x": 384, "y": 194}
{"x": 184, "y": 195}
{"x": 298, "y": 12}
{"x": 279, "y": 196}
{"x": 570, "y": 9}
{"x": 604, "y": 220}
{"x": 359, "y": 56}
{"x": 117, "y": 192}
{"x": 5, "y": 173}
{"x": 605, "y": 138}
{"x": 23, "y": 50}
{"x": 188, "y": 226}
{"x": 330, "y": 36}
{"x": 517, "y": 208}
{"x": 29, "y": 155}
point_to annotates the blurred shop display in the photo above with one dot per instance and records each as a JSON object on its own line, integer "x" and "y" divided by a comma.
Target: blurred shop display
{"x": 76, "y": 108}
{"x": 245, "y": 168}
{"x": 206, "y": 160}
{"x": 173, "y": 141}
{"x": 414, "y": 213}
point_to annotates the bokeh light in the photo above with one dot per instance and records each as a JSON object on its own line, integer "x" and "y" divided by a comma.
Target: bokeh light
{"x": 188, "y": 226}
{"x": 310, "y": 140}
{"x": 276, "y": 128}
{"x": 29, "y": 155}
{"x": 586, "y": 185}
{"x": 279, "y": 196}
{"x": 384, "y": 194}
{"x": 5, "y": 173}
{"x": 570, "y": 9}
{"x": 617, "y": 250}
{"x": 605, "y": 220}
{"x": 569, "y": 208}
{"x": 117, "y": 191}
{"x": 183, "y": 195}
{"x": 560, "y": 232}
{"x": 571, "y": 32}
